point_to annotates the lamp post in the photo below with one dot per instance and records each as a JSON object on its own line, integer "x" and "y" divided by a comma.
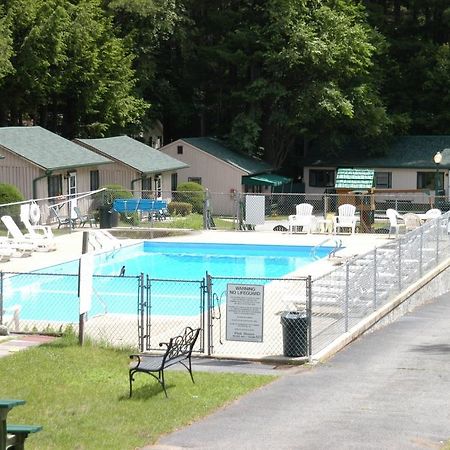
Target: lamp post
{"x": 437, "y": 158}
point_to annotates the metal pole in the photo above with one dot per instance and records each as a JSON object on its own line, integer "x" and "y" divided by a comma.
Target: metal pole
{"x": 421, "y": 253}
{"x": 1, "y": 298}
{"x": 399, "y": 265}
{"x": 309, "y": 313}
{"x": 82, "y": 317}
{"x": 209, "y": 317}
{"x": 347, "y": 290}
{"x": 374, "y": 278}
{"x": 141, "y": 311}
{"x": 438, "y": 227}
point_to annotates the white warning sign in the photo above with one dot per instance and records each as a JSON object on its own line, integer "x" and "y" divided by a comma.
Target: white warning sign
{"x": 245, "y": 312}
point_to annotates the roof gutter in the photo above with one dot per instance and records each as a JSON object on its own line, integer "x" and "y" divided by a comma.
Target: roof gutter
{"x": 46, "y": 174}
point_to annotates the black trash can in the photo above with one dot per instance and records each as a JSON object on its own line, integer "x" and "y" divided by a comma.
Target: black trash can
{"x": 295, "y": 333}
{"x": 108, "y": 218}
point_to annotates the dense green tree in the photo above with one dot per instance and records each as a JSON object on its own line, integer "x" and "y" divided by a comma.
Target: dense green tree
{"x": 73, "y": 75}
{"x": 6, "y": 50}
{"x": 278, "y": 73}
{"x": 415, "y": 87}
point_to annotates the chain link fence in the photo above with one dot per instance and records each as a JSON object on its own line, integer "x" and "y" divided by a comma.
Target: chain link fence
{"x": 249, "y": 317}
{"x": 362, "y": 284}
{"x": 229, "y": 211}
{"x": 297, "y": 316}
{"x": 142, "y": 211}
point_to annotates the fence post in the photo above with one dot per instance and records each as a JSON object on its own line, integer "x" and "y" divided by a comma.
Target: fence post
{"x": 347, "y": 289}
{"x": 399, "y": 265}
{"x": 421, "y": 253}
{"x": 1, "y": 297}
{"x": 438, "y": 227}
{"x": 141, "y": 315}
{"x": 374, "y": 278}
{"x": 148, "y": 308}
{"x": 309, "y": 314}
{"x": 210, "y": 342}
{"x": 82, "y": 317}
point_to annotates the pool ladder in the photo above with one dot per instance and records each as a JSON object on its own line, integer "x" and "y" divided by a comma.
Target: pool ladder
{"x": 103, "y": 240}
{"x": 337, "y": 247}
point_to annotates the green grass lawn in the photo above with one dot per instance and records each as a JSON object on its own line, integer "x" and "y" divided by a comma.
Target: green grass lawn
{"x": 193, "y": 221}
{"x": 80, "y": 397}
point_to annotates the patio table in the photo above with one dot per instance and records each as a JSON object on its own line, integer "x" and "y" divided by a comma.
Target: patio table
{"x": 5, "y": 406}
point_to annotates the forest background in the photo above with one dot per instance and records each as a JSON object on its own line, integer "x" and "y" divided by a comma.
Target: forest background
{"x": 274, "y": 78}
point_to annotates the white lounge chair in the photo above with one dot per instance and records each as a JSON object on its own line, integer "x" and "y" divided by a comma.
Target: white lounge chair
{"x": 11, "y": 247}
{"x": 36, "y": 231}
{"x": 5, "y": 251}
{"x": 396, "y": 222}
{"x": 303, "y": 218}
{"x": 39, "y": 243}
{"x": 345, "y": 218}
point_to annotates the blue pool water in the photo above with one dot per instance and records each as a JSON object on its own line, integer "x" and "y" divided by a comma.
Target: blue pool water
{"x": 52, "y": 294}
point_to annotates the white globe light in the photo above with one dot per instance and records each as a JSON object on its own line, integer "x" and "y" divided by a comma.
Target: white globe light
{"x": 437, "y": 158}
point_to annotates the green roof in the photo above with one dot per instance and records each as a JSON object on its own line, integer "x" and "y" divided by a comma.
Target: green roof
{"x": 218, "y": 149}
{"x": 265, "y": 179}
{"x": 406, "y": 152}
{"x": 46, "y": 149}
{"x": 355, "y": 178}
{"x": 135, "y": 154}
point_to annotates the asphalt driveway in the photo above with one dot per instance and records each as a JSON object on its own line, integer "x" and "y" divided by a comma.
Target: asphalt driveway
{"x": 388, "y": 390}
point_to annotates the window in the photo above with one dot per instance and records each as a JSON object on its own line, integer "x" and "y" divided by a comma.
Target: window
{"x": 383, "y": 180}
{"x": 54, "y": 185}
{"x": 197, "y": 180}
{"x": 146, "y": 187}
{"x": 321, "y": 178}
{"x": 427, "y": 180}
{"x": 180, "y": 149}
{"x": 94, "y": 180}
{"x": 173, "y": 182}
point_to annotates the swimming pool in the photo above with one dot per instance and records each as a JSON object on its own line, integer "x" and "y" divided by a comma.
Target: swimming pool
{"x": 51, "y": 293}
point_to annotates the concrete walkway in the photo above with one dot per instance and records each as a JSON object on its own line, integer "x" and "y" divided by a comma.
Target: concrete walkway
{"x": 16, "y": 342}
{"x": 388, "y": 390}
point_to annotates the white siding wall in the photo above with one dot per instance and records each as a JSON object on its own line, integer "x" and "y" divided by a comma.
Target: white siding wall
{"x": 117, "y": 173}
{"x": 18, "y": 172}
{"x": 401, "y": 178}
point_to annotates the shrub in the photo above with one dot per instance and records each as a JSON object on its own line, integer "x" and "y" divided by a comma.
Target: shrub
{"x": 10, "y": 194}
{"x": 179, "y": 208}
{"x": 114, "y": 191}
{"x": 192, "y": 193}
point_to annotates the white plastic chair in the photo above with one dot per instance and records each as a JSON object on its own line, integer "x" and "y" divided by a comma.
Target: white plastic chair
{"x": 38, "y": 243}
{"x": 412, "y": 221}
{"x": 432, "y": 213}
{"x": 303, "y": 218}
{"x": 345, "y": 218}
{"x": 396, "y": 222}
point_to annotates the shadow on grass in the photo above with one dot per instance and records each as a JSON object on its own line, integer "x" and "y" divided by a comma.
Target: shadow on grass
{"x": 150, "y": 390}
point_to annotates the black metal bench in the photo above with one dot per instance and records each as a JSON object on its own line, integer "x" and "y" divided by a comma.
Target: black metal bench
{"x": 179, "y": 350}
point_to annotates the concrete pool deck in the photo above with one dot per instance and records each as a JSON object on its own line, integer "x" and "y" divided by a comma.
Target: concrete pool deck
{"x": 69, "y": 246}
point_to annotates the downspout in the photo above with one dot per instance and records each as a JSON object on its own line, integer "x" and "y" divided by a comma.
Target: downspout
{"x": 135, "y": 180}
{"x": 46, "y": 174}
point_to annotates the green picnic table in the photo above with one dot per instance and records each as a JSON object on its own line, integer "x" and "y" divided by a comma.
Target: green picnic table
{"x": 13, "y": 436}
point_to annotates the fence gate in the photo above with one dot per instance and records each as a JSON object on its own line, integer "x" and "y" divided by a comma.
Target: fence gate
{"x": 166, "y": 307}
{"x": 246, "y": 317}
